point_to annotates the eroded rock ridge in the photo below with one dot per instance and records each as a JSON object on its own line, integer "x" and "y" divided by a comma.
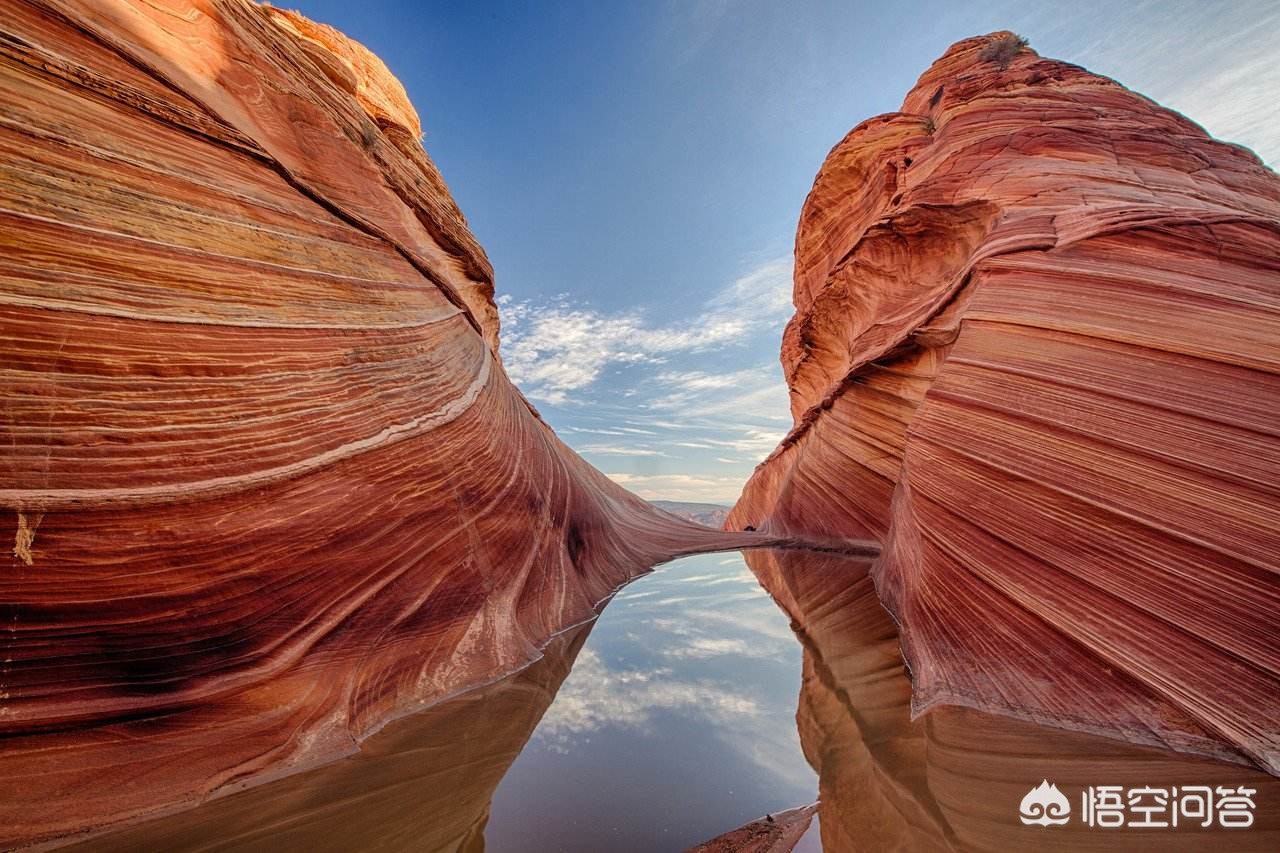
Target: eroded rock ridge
{"x": 1035, "y": 355}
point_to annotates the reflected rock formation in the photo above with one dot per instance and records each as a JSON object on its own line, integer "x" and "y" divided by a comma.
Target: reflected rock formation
{"x": 774, "y": 833}
{"x": 1035, "y": 355}
{"x": 956, "y": 778}
{"x": 266, "y": 484}
{"x": 422, "y": 783}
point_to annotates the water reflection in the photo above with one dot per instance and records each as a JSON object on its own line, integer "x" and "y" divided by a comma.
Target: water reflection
{"x": 676, "y": 724}
{"x": 422, "y": 783}
{"x": 955, "y": 778}
{"x": 679, "y": 722}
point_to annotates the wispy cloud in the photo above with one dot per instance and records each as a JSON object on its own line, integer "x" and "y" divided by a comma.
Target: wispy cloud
{"x": 759, "y": 391}
{"x": 696, "y": 380}
{"x": 669, "y": 405}
{"x": 700, "y": 670}
{"x": 622, "y": 431}
{"x": 552, "y": 349}
{"x": 596, "y": 696}
{"x": 682, "y": 487}
{"x": 1225, "y": 77}
{"x": 700, "y": 648}
{"x": 661, "y": 424}
{"x": 618, "y": 450}
{"x": 753, "y": 442}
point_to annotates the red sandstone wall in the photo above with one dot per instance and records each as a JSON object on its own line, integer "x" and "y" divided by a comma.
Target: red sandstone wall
{"x": 1035, "y": 354}
{"x": 265, "y": 483}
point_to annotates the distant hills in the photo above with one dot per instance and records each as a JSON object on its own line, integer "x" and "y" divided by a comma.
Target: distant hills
{"x": 712, "y": 515}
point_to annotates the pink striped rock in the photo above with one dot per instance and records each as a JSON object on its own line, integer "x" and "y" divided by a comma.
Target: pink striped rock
{"x": 266, "y": 482}
{"x": 1035, "y": 354}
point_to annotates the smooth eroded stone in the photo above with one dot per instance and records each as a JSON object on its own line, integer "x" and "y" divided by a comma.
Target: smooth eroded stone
{"x": 955, "y": 778}
{"x": 265, "y": 483}
{"x": 1035, "y": 355}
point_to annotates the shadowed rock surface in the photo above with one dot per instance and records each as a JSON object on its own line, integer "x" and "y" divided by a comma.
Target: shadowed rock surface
{"x": 422, "y": 783}
{"x": 266, "y": 483}
{"x": 1035, "y": 356}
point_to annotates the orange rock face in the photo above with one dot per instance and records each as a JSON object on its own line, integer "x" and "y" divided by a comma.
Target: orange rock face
{"x": 955, "y": 778}
{"x": 422, "y": 783}
{"x": 1035, "y": 355}
{"x": 265, "y": 481}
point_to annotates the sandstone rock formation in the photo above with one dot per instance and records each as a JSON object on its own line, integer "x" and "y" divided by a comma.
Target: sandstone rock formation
{"x": 1035, "y": 354}
{"x": 424, "y": 782}
{"x": 770, "y": 834}
{"x": 954, "y": 778}
{"x": 266, "y": 483}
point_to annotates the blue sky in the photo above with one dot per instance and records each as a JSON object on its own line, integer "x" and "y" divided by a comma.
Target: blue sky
{"x": 635, "y": 172}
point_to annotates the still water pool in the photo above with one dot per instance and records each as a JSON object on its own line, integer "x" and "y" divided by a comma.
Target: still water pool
{"x": 676, "y": 723}
{"x": 672, "y": 719}
{"x": 666, "y": 722}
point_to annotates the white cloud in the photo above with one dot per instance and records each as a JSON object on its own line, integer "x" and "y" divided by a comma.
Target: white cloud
{"x": 700, "y": 578}
{"x": 666, "y": 424}
{"x": 619, "y": 431}
{"x": 744, "y": 578}
{"x": 754, "y": 441}
{"x": 617, "y": 450}
{"x": 595, "y": 696}
{"x": 696, "y": 380}
{"x": 553, "y": 349}
{"x": 700, "y": 648}
{"x": 692, "y": 388}
{"x": 1225, "y": 77}
{"x": 758, "y": 391}
{"x": 740, "y": 619}
{"x": 681, "y": 487}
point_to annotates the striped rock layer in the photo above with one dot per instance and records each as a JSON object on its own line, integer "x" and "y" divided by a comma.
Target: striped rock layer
{"x": 1035, "y": 355}
{"x": 424, "y": 782}
{"x": 265, "y": 481}
{"x": 954, "y": 779}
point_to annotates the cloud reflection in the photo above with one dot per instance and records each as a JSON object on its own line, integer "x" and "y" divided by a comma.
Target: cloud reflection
{"x": 596, "y": 696}
{"x": 700, "y": 652}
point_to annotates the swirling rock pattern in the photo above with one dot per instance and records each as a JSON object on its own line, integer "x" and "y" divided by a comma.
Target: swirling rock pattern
{"x": 954, "y": 778}
{"x": 266, "y": 483}
{"x": 1035, "y": 355}
{"x": 422, "y": 783}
